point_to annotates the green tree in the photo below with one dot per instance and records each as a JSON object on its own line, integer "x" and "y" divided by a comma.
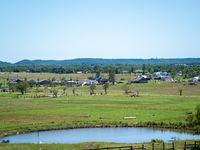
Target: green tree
{"x": 92, "y": 88}
{"x": 132, "y": 69}
{"x": 64, "y": 89}
{"x": 12, "y": 88}
{"x": 125, "y": 87}
{"x": 53, "y": 79}
{"x": 0, "y": 85}
{"x": 63, "y": 79}
{"x": 22, "y": 86}
{"x": 194, "y": 120}
{"x": 111, "y": 75}
{"x": 143, "y": 68}
{"x": 55, "y": 92}
{"x": 105, "y": 87}
{"x": 98, "y": 74}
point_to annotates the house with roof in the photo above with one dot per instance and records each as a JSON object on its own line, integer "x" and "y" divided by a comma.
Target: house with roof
{"x": 42, "y": 82}
{"x": 124, "y": 72}
{"x": 138, "y": 80}
{"x": 195, "y": 79}
{"x": 32, "y": 81}
{"x": 92, "y": 82}
{"x": 81, "y": 82}
{"x": 146, "y": 77}
{"x": 138, "y": 71}
{"x": 103, "y": 81}
{"x": 12, "y": 83}
{"x": 56, "y": 82}
{"x": 71, "y": 83}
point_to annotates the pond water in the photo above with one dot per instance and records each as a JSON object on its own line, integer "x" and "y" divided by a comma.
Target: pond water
{"x": 118, "y": 135}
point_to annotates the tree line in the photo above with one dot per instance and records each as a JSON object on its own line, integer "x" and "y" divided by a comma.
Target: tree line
{"x": 190, "y": 70}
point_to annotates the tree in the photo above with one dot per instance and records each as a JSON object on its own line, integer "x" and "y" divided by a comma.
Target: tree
{"x": 53, "y": 79}
{"x": 125, "y": 87}
{"x": 55, "y": 92}
{"x": 12, "y": 88}
{"x": 64, "y": 89}
{"x": 63, "y": 79}
{"x": 143, "y": 68}
{"x": 194, "y": 120}
{"x": 132, "y": 69}
{"x": 98, "y": 74}
{"x": 105, "y": 87}
{"x": 22, "y": 86}
{"x": 0, "y": 85}
{"x": 92, "y": 88}
{"x": 111, "y": 75}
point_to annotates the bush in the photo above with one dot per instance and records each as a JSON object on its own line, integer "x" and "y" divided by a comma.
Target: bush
{"x": 55, "y": 92}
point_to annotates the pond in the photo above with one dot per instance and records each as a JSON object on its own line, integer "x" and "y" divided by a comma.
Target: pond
{"x": 118, "y": 135}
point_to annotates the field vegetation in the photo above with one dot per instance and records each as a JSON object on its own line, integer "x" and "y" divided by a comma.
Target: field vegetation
{"x": 159, "y": 105}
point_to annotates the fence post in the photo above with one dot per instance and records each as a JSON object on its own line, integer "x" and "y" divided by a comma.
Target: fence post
{"x": 131, "y": 147}
{"x": 152, "y": 146}
{"x": 142, "y": 146}
{"x": 185, "y": 146}
{"x": 173, "y": 145}
{"x": 194, "y": 144}
{"x": 163, "y": 145}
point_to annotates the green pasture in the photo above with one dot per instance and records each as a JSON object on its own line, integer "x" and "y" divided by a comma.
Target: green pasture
{"x": 158, "y": 102}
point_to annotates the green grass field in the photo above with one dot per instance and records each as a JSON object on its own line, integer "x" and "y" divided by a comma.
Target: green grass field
{"x": 158, "y": 102}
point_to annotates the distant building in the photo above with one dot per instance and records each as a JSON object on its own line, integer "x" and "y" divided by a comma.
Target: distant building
{"x": 12, "y": 83}
{"x": 124, "y": 72}
{"x": 138, "y": 80}
{"x": 103, "y": 81}
{"x": 138, "y": 71}
{"x": 42, "y": 82}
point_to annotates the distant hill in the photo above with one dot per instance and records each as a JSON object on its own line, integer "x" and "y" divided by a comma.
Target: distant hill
{"x": 4, "y": 63}
{"x": 100, "y": 61}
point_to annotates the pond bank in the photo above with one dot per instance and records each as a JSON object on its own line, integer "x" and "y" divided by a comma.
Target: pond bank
{"x": 76, "y": 124}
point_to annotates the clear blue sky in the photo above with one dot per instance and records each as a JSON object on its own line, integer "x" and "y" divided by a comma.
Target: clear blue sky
{"x": 63, "y": 29}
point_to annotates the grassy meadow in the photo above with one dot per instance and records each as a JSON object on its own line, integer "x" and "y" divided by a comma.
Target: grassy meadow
{"x": 159, "y": 103}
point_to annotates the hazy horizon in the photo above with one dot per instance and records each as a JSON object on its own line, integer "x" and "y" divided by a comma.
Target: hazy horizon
{"x": 92, "y": 58}
{"x": 115, "y": 29}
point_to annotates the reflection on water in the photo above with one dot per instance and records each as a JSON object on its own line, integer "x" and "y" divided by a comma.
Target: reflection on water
{"x": 118, "y": 135}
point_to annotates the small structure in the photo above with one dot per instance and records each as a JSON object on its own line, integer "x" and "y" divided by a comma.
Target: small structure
{"x": 124, "y": 72}
{"x": 138, "y": 71}
{"x": 42, "y": 82}
{"x": 71, "y": 83}
{"x": 12, "y": 83}
{"x": 92, "y": 82}
{"x": 138, "y": 80}
{"x": 56, "y": 82}
{"x": 103, "y": 81}
{"x": 5, "y": 89}
{"x": 32, "y": 81}
{"x": 79, "y": 72}
{"x": 195, "y": 79}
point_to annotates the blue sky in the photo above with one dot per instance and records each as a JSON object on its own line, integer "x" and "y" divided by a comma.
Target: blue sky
{"x": 62, "y": 29}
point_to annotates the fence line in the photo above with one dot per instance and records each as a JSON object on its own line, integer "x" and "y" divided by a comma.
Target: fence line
{"x": 196, "y": 145}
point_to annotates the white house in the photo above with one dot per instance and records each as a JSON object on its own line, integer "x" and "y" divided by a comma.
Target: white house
{"x": 195, "y": 79}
